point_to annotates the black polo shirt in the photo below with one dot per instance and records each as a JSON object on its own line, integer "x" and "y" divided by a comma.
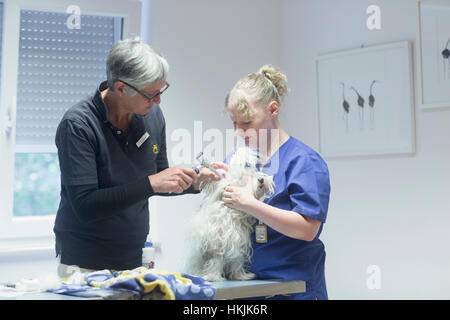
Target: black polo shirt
{"x": 103, "y": 218}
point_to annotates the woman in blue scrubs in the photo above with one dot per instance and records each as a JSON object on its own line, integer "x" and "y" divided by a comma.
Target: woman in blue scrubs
{"x": 286, "y": 242}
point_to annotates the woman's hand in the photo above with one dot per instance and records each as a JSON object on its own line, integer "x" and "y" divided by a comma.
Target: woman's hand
{"x": 206, "y": 174}
{"x": 239, "y": 197}
{"x": 219, "y": 165}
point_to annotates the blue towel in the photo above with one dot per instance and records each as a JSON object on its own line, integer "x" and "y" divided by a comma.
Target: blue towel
{"x": 143, "y": 283}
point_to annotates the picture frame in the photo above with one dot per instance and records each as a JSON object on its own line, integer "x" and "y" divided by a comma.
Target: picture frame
{"x": 366, "y": 101}
{"x": 434, "y": 54}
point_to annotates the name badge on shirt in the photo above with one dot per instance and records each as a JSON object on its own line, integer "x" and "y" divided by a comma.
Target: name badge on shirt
{"x": 144, "y": 137}
{"x": 261, "y": 233}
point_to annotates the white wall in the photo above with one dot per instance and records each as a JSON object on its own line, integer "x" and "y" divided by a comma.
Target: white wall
{"x": 390, "y": 211}
{"x": 20, "y": 265}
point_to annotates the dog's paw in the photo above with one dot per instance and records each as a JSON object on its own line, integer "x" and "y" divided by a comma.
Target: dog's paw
{"x": 245, "y": 276}
{"x": 213, "y": 277}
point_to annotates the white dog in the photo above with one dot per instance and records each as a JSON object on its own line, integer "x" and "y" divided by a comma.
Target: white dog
{"x": 219, "y": 244}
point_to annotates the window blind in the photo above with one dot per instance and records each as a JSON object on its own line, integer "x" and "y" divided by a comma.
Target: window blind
{"x": 58, "y": 66}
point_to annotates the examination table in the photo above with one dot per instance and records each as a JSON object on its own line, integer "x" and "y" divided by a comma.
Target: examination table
{"x": 225, "y": 290}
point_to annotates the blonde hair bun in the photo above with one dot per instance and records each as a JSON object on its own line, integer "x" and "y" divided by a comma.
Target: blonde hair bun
{"x": 277, "y": 77}
{"x": 266, "y": 85}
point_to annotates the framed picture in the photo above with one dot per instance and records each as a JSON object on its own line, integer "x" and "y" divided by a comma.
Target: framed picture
{"x": 434, "y": 53}
{"x": 366, "y": 101}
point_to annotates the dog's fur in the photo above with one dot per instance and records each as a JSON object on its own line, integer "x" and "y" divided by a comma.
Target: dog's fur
{"x": 219, "y": 244}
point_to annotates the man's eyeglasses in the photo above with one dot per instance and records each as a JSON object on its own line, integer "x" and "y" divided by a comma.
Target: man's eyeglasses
{"x": 149, "y": 99}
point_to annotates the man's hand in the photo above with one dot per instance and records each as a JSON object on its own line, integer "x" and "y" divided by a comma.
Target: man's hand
{"x": 174, "y": 179}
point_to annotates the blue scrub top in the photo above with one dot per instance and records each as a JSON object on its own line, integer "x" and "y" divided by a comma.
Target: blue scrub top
{"x": 302, "y": 185}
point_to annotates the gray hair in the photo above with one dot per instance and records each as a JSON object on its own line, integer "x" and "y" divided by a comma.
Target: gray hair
{"x": 136, "y": 63}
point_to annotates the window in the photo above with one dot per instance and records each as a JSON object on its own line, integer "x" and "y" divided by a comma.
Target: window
{"x": 49, "y": 64}
{"x": 58, "y": 66}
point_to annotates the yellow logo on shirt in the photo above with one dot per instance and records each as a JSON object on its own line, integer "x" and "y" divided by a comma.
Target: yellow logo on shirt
{"x": 155, "y": 149}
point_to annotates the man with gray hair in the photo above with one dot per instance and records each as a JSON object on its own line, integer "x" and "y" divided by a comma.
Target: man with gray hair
{"x": 112, "y": 156}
